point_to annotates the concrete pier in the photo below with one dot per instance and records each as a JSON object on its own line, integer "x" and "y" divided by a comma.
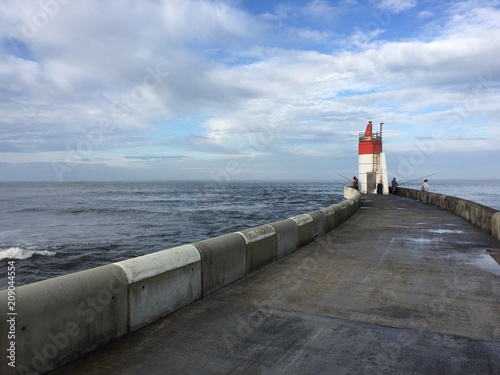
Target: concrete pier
{"x": 402, "y": 287}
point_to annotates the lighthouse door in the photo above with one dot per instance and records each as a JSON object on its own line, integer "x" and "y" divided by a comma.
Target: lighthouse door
{"x": 371, "y": 182}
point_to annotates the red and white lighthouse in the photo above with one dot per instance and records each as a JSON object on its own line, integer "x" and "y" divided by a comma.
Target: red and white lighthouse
{"x": 372, "y": 164}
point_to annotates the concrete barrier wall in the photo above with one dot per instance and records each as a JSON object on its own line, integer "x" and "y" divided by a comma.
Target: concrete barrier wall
{"x": 486, "y": 218}
{"x": 61, "y": 319}
{"x": 286, "y": 237}
{"x": 304, "y": 229}
{"x": 333, "y": 217}
{"x": 223, "y": 261}
{"x": 161, "y": 283}
{"x": 260, "y": 246}
{"x": 346, "y": 208}
{"x": 319, "y": 224}
{"x": 350, "y": 193}
{"x": 495, "y": 225}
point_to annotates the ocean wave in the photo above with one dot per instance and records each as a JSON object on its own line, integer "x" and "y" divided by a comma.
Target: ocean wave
{"x": 19, "y": 253}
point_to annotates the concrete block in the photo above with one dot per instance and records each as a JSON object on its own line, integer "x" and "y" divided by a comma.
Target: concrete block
{"x": 261, "y": 246}
{"x": 329, "y": 213}
{"x": 60, "y": 319}
{"x": 450, "y": 203}
{"x": 434, "y": 199}
{"x": 411, "y": 193}
{"x": 286, "y": 237}
{"x": 405, "y": 192}
{"x": 349, "y": 192}
{"x": 482, "y": 216}
{"x": 319, "y": 223}
{"x": 495, "y": 225}
{"x": 161, "y": 283}
{"x": 338, "y": 215}
{"x": 352, "y": 208}
{"x": 428, "y": 197}
{"x": 353, "y": 196}
{"x": 476, "y": 213}
{"x": 357, "y": 202}
{"x": 440, "y": 202}
{"x": 345, "y": 212}
{"x": 462, "y": 208}
{"x": 223, "y": 261}
{"x": 304, "y": 229}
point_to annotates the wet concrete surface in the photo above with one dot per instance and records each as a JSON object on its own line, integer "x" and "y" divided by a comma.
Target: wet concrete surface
{"x": 400, "y": 288}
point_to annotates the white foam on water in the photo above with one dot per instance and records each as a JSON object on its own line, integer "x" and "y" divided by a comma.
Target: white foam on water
{"x": 20, "y": 253}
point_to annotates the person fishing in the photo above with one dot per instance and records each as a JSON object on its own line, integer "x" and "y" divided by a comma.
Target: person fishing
{"x": 425, "y": 186}
{"x": 425, "y": 189}
{"x": 354, "y": 183}
{"x": 394, "y": 185}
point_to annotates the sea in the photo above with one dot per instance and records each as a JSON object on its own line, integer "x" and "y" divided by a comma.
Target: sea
{"x": 51, "y": 229}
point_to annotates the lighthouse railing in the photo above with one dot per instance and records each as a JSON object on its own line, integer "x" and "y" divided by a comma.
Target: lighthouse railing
{"x": 375, "y": 137}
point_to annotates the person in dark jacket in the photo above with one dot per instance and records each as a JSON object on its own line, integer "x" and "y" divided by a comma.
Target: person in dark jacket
{"x": 394, "y": 184}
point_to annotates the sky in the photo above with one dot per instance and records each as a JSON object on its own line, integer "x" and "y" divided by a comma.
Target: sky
{"x": 229, "y": 90}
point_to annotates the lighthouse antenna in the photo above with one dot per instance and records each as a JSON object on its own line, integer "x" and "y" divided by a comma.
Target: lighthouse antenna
{"x": 381, "y": 129}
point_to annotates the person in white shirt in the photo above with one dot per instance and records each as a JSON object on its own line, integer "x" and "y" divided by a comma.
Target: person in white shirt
{"x": 425, "y": 186}
{"x": 425, "y": 189}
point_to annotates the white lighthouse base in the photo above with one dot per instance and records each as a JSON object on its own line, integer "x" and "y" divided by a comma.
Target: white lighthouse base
{"x": 371, "y": 169}
{"x": 383, "y": 173}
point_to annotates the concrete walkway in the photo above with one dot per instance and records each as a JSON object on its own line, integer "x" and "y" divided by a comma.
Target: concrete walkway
{"x": 400, "y": 288}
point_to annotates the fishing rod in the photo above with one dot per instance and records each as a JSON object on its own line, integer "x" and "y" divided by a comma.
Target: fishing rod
{"x": 419, "y": 178}
{"x": 331, "y": 170}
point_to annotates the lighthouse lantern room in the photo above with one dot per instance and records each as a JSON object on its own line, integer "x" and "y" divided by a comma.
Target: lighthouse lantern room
{"x": 372, "y": 164}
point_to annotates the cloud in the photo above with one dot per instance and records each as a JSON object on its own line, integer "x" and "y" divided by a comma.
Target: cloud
{"x": 155, "y": 157}
{"x": 213, "y": 81}
{"x": 425, "y": 14}
{"x": 320, "y": 9}
{"x": 397, "y": 6}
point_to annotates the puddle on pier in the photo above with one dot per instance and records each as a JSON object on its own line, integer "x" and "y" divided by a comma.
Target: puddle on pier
{"x": 488, "y": 262}
{"x": 441, "y": 231}
{"x": 421, "y": 240}
{"x": 495, "y": 254}
{"x": 434, "y": 231}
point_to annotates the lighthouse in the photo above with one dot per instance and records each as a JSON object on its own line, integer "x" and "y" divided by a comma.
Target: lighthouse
{"x": 372, "y": 166}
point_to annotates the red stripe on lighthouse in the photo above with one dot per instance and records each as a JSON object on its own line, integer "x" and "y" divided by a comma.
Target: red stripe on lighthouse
{"x": 369, "y": 143}
{"x": 368, "y": 131}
